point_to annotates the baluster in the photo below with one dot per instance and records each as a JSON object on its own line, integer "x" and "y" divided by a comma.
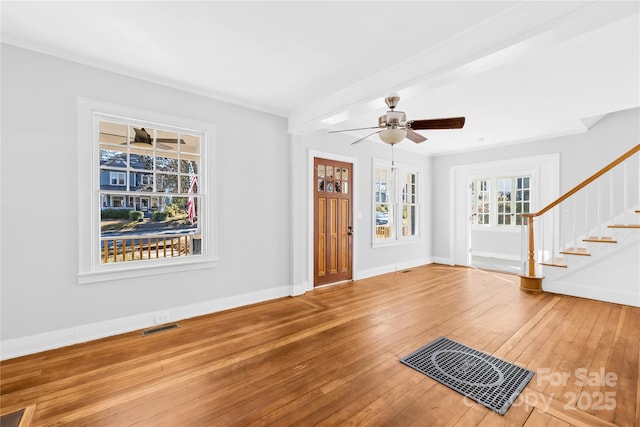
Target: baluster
{"x": 586, "y": 213}
{"x": 611, "y": 210}
{"x": 575, "y": 211}
{"x": 598, "y": 220}
{"x": 553, "y": 233}
{"x": 625, "y": 198}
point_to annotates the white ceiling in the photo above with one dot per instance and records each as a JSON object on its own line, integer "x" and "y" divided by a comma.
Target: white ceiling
{"x": 518, "y": 70}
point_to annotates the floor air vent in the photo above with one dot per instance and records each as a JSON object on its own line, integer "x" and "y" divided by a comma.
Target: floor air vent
{"x": 159, "y": 329}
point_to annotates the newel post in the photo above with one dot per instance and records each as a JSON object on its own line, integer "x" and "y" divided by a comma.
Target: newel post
{"x": 529, "y": 281}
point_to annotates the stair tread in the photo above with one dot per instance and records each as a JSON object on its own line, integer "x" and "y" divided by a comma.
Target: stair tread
{"x": 624, "y": 226}
{"x": 597, "y": 239}
{"x": 554, "y": 262}
{"x": 576, "y": 251}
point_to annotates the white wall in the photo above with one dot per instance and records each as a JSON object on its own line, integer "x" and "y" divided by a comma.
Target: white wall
{"x": 42, "y": 303}
{"x": 580, "y": 156}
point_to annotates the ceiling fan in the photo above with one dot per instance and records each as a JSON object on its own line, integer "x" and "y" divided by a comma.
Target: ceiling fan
{"x": 143, "y": 137}
{"x": 394, "y": 127}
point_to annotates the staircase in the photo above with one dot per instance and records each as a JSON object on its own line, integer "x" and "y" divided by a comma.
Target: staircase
{"x": 587, "y": 242}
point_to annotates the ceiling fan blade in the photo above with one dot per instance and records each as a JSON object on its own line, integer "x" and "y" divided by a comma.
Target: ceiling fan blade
{"x": 348, "y": 130}
{"x": 363, "y": 138}
{"x": 448, "y": 123}
{"x": 415, "y": 137}
{"x": 170, "y": 140}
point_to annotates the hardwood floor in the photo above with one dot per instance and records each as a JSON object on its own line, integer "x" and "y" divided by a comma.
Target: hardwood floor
{"x": 330, "y": 357}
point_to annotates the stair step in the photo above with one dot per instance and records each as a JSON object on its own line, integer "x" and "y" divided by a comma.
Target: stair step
{"x": 555, "y": 262}
{"x": 576, "y": 251}
{"x": 596, "y": 239}
{"x": 624, "y": 226}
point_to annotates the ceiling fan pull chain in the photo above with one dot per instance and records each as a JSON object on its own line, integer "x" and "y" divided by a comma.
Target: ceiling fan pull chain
{"x": 393, "y": 163}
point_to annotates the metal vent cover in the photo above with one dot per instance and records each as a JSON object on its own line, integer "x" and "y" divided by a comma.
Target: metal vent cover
{"x": 490, "y": 381}
{"x": 159, "y": 329}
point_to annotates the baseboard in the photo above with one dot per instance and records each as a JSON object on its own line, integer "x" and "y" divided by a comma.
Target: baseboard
{"x": 600, "y": 294}
{"x": 299, "y": 289}
{"x": 390, "y": 268}
{"x": 31, "y": 344}
{"x": 441, "y": 260}
{"x": 509, "y": 257}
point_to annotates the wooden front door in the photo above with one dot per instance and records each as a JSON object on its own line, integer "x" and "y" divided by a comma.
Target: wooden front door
{"x": 333, "y": 221}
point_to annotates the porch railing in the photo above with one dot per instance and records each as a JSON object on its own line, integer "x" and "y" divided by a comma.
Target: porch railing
{"x": 149, "y": 246}
{"x": 581, "y": 214}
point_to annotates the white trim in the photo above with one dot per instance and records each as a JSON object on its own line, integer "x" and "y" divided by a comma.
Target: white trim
{"x": 398, "y": 168}
{"x": 536, "y": 167}
{"x": 311, "y": 182}
{"x": 509, "y": 257}
{"x": 63, "y": 337}
{"x": 600, "y": 294}
{"x": 390, "y": 268}
{"x": 89, "y": 269}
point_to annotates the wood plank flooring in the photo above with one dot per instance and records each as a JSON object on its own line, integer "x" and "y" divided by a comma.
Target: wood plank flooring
{"x": 330, "y": 357}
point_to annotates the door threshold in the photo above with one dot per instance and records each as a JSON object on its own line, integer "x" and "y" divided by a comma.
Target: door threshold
{"x": 332, "y": 284}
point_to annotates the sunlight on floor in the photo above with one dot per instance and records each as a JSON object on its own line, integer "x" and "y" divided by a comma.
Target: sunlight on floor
{"x": 496, "y": 264}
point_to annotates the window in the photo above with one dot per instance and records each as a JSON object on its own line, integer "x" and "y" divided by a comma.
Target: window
{"x": 396, "y": 203}
{"x": 160, "y": 163}
{"x": 144, "y": 185}
{"x": 117, "y": 178}
{"x": 505, "y": 206}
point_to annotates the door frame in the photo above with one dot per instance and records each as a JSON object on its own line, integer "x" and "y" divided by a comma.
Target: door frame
{"x": 544, "y": 170}
{"x": 357, "y": 215}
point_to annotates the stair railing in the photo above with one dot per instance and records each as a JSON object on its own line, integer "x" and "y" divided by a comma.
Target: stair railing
{"x": 578, "y": 214}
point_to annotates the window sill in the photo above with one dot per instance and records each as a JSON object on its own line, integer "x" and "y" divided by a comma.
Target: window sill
{"x": 126, "y": 272}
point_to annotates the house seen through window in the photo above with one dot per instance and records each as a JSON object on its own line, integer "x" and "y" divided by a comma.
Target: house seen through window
{"x": 150, "y": 195}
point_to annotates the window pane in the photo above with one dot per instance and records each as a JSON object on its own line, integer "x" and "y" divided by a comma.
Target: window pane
{"x": 185, "y": 184}
{"x": 113, "y": 133}
{"x": 166, "y": 183}
{"x": 168, "y": 141}
{"x": 141, "y": 182}
{"x": 113, "y": 156}
{"x": 141, "y": 137}
{"x": 189, "y": 144}
{"x": 141, "y": 159}
{"x": 189, "y": 163}
{"x": 321, "y": 171}
{"x": 166, "y": 164}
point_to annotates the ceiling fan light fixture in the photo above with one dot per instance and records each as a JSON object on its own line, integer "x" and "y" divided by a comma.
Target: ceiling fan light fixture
{"x": 392, "y": 135}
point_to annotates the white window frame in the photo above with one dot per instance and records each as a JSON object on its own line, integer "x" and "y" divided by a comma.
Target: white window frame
{"x": 90, "y": 269}
{"x": 396, "y": 202}
{"x": 493, "y": 201}
{"x": 119, "y": 177}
